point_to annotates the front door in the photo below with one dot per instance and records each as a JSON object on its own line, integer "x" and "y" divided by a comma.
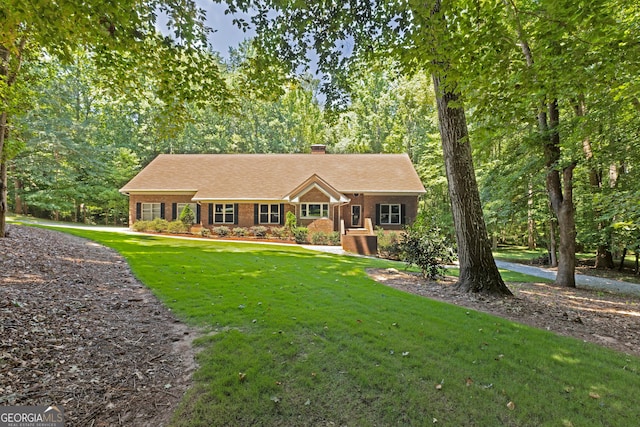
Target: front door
{"x": 355, "y": 216}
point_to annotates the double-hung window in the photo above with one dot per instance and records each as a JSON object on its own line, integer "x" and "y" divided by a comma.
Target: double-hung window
{"x": 314, "y": 210}
{"x": 390, "y": 214}
{"x": 223, "y": 213}
{"x": 269, "y": 214}
{"x": 151, "y": 211}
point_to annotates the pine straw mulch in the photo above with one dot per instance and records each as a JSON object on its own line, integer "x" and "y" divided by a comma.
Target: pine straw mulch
{"x": 79, "y": 331}
{"x": 602, "y": 318}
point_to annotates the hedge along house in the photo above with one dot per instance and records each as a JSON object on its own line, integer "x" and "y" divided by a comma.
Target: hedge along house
{"x": 350, "y": 193}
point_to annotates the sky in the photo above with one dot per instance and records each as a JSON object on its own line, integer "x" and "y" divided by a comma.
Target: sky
{"x": 226, "y": 34}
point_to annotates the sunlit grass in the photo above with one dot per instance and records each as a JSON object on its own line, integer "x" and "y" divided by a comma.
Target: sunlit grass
{"x": 304, "y": 338}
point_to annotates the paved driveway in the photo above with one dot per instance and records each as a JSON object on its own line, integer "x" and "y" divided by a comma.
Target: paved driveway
{"x": 582, "y": 281}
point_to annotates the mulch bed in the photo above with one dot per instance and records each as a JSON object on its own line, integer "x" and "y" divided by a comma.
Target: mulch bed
{"x": 78, "y": 330}
{"x": 602, "y": 318}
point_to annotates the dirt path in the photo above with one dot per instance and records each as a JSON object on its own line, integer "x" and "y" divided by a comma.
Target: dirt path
{"x": 78, "y": 330}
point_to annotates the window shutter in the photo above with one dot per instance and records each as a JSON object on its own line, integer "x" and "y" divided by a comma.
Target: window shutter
{"x": 210, "y": 213}
{"x": 281, "y": 213}
{"x": 403, "y": 214}
{"x": 198, "y": 213}
{"x": 377, "y": 213}
{"x": 138, "y": 210}
{"x": 162, "y": 210}
{"x": 235, "y": 213}
{"x": 174, "y": 211}
{"x": 256, "y": 220}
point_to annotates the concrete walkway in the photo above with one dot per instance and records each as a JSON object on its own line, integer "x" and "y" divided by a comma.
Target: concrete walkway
{"x": 582, "y": 281}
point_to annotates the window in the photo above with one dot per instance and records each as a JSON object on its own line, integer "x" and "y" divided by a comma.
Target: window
{"x": 150, "y": 211}
{"x": 390, "y": 214}
{"x": 223, "y": 213}
{"x": 269, "y": 214}
{"x": 314, "y": 210}
{"x": 181, "y": 206}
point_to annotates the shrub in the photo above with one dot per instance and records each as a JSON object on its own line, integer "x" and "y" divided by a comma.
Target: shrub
{"x": 141, "y": 226}
{"x": 221, "y": 231}
{"x": 205, "y": 232}
{"x": 259, "y": 231}
{"x": 300, "y": 234}
{"x": 334, "y": 238}
{"x": 320, "y": 238}
{"x": 177, "y": 227}
{"x": 427, "y": 248}
{"x": 290, "y": 222}
{"x": 159, "y": 225}
{"x": 388, "y": 244}
{"x": 187, "y": 216}
{"x": 280, "y": 233}
{"x": 240, "y": 232}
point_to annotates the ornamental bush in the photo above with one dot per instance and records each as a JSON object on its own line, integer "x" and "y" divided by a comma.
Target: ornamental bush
{"x": 177, "y": 227}
{"x": 240, "y": 231}
{"x": 320, "y": 238}
{"x": 427, "y": 248}
{"x": 300, "y": 234}
{"x": 221, "y": 231}
{"x": 159, "y": 225}
{"x": 141, "y": 226}
{"x": 259, "y": 231}
{"x": 187, "y": 216}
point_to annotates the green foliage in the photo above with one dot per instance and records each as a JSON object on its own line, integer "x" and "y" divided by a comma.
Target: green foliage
{"x": 240, "y": 232}
{"x": 290, "y": 221}
{"x": 334, "y": 238}
{"x": 187, "y": 216}
{"x": 388, "y": 244}
{"x": 319, "y": 238}
{"x": 159, "y": 225}
{"x": 281, "y": 233}
{"x": 427, "y": 248}
{"x": 301, "y": 234}
{"x": 221, "y": 231}
{"x": 141, "y": 226}
{"x": 178, "y": 227}
{"x": 259, "y": 231}
{"x": 205, "y": 232}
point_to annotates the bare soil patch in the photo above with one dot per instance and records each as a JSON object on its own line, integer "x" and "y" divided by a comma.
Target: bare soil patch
{"x": 78, "y": 330}
{"x": 602, "y": 318}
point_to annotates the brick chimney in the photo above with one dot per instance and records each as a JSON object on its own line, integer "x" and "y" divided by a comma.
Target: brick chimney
{"x": 318, "y": 149}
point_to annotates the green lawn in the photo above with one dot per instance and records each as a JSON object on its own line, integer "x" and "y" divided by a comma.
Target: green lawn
{"x": 304, "y": 338}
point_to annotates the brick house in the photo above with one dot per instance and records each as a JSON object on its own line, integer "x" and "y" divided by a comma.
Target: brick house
{"x": 326, "y": 192}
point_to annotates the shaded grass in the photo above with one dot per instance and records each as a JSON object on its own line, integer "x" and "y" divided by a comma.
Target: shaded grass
{"x": 302, "y": 338}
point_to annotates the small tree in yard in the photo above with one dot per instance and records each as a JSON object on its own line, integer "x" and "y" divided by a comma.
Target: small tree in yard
{"x": 427, "y": 248}
{"x": 187, "y": 216}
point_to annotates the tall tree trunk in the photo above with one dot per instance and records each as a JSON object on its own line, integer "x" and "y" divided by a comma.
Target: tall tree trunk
{"x": 553, "y": 245}
{"x": 561, "y": 204}
{"x": 531, "y": 223}
{"x": 9, "y": 72}
{"x": 478, "y": 270}
{"x": 560, "y": 190}
{"x": 3, "y": 176}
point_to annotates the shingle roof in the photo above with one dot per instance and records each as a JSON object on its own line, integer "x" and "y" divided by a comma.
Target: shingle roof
{"x": 273, "y": 176}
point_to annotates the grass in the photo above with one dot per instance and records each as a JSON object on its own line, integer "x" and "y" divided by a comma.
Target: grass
{"x": 304, "y": 338}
